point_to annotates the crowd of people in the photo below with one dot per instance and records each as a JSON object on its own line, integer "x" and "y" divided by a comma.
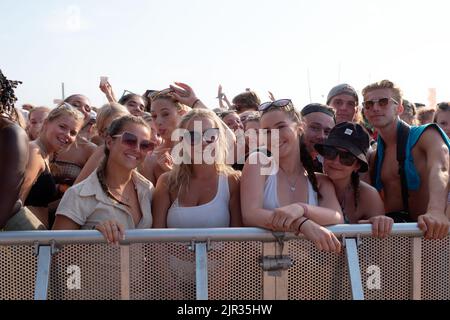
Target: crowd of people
{"x": 164, "y": 159}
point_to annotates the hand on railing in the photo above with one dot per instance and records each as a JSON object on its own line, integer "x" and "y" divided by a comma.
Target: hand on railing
{"x": 324, "y": 239}
{"x": 284, "y": 217}
{"x": 112, "y": 230}
{"x": 434, "y": 226}
{"x": 381, "y": 226}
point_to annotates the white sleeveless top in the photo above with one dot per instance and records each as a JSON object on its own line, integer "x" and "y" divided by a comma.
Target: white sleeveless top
{"x": 271, "y": 195}
{"x": 214, "y": 214}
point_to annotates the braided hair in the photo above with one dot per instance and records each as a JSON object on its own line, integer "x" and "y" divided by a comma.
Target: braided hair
{"x": 7, "y": 97}
{"x": 355, "y": 186}
{"x": 115, "y": 128}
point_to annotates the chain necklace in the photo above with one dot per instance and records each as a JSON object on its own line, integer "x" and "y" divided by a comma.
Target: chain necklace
{"x": 292, "y": 186}
{"x": 42, "y": 148}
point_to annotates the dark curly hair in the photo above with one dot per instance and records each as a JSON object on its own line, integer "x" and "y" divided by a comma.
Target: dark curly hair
{"x": 7, "y": 97}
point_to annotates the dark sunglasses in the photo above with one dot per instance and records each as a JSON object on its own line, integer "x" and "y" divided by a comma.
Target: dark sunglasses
{"x": 383, "y": 102}
{"x": 132, "y": 141}
{"x": 209, "y": 136}
{"x": 345, "y": 158}
{"x": 277, "y": 103}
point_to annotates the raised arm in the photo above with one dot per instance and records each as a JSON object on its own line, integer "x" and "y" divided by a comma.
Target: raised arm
{"x": 186, "y": 95}
{"x": 107, "y": 89}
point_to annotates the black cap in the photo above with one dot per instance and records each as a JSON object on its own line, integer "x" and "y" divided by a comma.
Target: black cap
{"x": 350, "y": 136}
{"x": 318, "y": 107}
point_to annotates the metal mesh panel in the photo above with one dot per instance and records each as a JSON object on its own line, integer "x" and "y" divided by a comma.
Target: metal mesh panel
{"x": 163, "y": 271}
{"x": 393, "y": 257}
{"x": 316, "y": 275}
{"x": 436, "y": 269}
{"x": 99, "y": 267}
{"x": 234, "y": 272}
{"x": 18, "y": 267}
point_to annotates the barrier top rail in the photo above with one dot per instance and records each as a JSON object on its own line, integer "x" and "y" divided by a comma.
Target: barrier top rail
{"x": 182, "y": 235}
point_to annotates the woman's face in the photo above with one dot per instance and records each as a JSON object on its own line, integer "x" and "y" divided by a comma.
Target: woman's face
{"x": 129, "y": 147}
{"x": 335, "y": 169}
{"x": 166, "y": 117}
{"x": 233, "y": 121}
{"x": 279, "y": 122}
{"x": 443, "y": 121}
{"x": 83, "y": 105}
{"x": 135, "y": 105}
{"x": 199, "y": 135}
{"x": 61, "y": 132}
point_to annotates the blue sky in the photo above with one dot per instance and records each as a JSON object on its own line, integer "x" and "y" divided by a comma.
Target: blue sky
{"x": 263, "y": 45}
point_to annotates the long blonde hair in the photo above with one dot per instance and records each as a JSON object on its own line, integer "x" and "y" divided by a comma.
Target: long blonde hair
{"x": 180, "y": 174}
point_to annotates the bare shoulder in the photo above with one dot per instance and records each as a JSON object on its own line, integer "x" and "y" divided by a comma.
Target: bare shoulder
{"x": 366, "y": 190}
{"x": 234, "y": 180}
{"x": 323, "y": 180}
{"x": 430, "y": 139}
{"x": 163, "y": 180}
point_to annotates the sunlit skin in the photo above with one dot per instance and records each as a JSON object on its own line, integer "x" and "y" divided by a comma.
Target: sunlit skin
{"x": 233, "y": 121}
{"x": 345, "y": 106}
{"x": 83, "y": 105}
{"x": 166, "y": 117}
{"x": 35, "y": 124}
{"x": 135, "y": 105}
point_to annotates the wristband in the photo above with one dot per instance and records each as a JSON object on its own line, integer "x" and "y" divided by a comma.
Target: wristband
{"x": 301, "y": 224}
{"x": 305, "y": 209}
{"x": 195, "y": 102}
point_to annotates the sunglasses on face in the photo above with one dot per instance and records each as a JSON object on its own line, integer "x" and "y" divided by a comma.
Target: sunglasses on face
{"x": 209, "y": 136}
{"x": 131, "y": 140}
{"x": 345, "y": 158}
{"x": 277, "y": 103}
{"x": 383, "y": 102}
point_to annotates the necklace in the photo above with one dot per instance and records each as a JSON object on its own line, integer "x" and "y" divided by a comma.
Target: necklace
{"x": 292, "y": 186}
{"x": 42, "y": 147}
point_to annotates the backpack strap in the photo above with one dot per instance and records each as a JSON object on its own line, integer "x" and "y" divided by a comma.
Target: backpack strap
{"x": 402, "y": 139}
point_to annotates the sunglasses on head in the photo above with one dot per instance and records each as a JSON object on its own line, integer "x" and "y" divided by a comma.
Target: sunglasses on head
{"x": 383, "y": 102}
{"x": 345, "y": 158}
{"x": 277, "y": 103}
{"x": 132, "y": 141}
{"x": 209, "y": 136}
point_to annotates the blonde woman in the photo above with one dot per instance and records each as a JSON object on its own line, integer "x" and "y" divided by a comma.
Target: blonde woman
{"x": 199, "y": 194}
{"x": 58, "y": 132}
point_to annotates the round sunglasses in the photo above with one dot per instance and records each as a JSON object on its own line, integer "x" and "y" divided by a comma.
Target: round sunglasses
{"x": 131, "y": 140}
{"x": 345, "y": 158}
{"x": 383, "y": 102}
{"x": 277, "y": 103}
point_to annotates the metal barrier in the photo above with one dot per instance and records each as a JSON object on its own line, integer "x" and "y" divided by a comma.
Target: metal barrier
{"x": 225, "y": 263}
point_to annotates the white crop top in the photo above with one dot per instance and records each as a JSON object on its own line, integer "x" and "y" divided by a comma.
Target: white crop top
{"x": 214, "y": 214}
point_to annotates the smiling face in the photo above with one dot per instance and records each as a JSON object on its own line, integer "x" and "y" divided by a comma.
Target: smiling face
{"x": 317, "y": 128}
{"x": 135, "y": 105}
{"x": 61, "y": 132}
{"x": 128, "y": 147}
{"x": 82, "y": 103}
{"x": 336, "y": 170}
{"x": 233, "y": 121}
{"x": 166, "y": 117}
{"x": 288, "y": 131}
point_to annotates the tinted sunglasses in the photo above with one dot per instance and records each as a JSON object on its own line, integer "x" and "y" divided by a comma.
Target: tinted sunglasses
{"x": 277, "y": 103}
{"x": 208, "y": 136}
{"x": 345, "y": 158}
{"x": 383, "y": 102}
{"x": 132, "y": 141}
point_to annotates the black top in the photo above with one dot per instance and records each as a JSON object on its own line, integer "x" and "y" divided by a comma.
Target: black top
{"x": 43, "y": 190}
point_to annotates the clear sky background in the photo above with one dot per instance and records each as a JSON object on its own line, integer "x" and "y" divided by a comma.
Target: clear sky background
{"x": 263, "y": 45}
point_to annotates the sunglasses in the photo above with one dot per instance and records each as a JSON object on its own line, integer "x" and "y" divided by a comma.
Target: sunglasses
{"x": 383, "y": 102}
{"x": 345, "y": 158}
{"x": 132, "y": 141}
{"x": 209, "y": 136}
{"x": 277, "y": 103}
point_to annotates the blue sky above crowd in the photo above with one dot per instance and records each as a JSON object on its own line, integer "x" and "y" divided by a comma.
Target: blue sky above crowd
{"x": 295, "y": 48}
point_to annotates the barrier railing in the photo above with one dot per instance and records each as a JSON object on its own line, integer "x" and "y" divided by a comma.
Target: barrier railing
{"x": 225, "y": 263}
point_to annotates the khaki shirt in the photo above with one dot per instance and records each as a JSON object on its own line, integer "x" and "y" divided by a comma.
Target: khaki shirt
{"x": 88, "y": 205}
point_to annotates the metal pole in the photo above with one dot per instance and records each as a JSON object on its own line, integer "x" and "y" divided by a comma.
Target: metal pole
{"x": 353, "y": 269}
{"x": 43, "y": 272}
{"x": 201, "y": 271}
{"x": 62, "y": 89}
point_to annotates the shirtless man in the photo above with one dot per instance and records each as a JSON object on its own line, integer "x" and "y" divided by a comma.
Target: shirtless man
{"x": 426, "y": 164}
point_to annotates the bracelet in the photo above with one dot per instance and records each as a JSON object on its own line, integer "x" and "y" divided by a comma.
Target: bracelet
{"x": 301, "y": 224}
{"x": 305, "y": 209}
{"x": 195, "y": 102}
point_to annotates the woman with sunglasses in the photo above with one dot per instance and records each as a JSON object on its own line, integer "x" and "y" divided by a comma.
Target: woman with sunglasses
{"x": 202, "y": 191}
{"x": 344, "y": 153}
{"x": 282, "y": 192}
{"x": 114, "y": 197}
{"x": 58, "y": 132}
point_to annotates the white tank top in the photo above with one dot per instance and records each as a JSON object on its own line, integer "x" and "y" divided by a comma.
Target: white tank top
{"x": 271, "y": 195}
{"x": 214, "y": 214}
